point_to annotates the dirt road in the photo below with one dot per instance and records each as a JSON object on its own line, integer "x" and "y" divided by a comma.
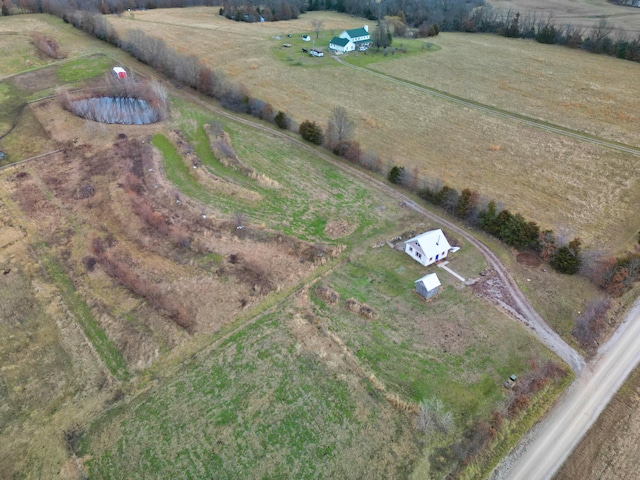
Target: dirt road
{"x": 543, "y": 450}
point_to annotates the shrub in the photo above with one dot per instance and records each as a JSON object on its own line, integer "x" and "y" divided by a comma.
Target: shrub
{"x": 281, "y": 120}
{"x": 566, "y": 261}
{"x": 312, "y": 132}
{"x": 48, "y": 46}
{"x": 592, "y": 322}
{"x": 395, "y": 174}
{"x": 463, "y": 208}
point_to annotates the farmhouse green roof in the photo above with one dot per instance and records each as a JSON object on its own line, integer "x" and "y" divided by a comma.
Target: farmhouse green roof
{"x": 339, "y": 41}
{"x": 357, "y": 32}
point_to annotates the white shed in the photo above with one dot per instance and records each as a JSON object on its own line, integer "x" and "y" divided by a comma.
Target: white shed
{"x": 428, "y": 248}
{"x": 428, "y": 285}
{"x": 120, "y": 72}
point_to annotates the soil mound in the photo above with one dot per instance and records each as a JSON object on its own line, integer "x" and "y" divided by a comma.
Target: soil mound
{"x": 528, "y": 259}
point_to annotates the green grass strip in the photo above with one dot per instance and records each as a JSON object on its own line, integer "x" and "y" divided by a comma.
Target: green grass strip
{"x": 107, "y": 350}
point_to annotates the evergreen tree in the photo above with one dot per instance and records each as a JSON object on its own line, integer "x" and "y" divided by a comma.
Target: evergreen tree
{"x": 395, "y": 174}
{"x": 311, "y": 132}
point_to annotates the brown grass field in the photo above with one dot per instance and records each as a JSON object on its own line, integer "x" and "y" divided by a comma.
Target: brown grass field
{"x": 191, "y": 397}
{"x": 583, "y": 13}
{"x": 552, "y": 179}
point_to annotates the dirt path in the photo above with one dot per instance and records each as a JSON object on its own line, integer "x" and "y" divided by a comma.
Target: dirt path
{"x": 543, "y": 450}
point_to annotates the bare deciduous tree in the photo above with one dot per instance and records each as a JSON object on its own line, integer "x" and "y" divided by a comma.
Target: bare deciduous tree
{"x": 340, "y": 130}
{"x": 317, "y": 25}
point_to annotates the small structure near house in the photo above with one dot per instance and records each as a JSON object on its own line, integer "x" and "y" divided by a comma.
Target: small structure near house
{"x": 120, "y": 72}
{"x": 306, "y": 38}
{"x": 427, "y": 287}
{"x": 428, "y": 248}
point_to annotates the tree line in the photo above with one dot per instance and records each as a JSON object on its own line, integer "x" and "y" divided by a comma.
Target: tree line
{"x": 411, "y": 18}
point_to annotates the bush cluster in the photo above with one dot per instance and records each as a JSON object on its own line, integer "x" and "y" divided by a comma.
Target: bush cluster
{"x": 312, "y": 132}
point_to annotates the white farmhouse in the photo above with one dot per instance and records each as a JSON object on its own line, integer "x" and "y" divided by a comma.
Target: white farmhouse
{"x": 428, "y": 247}
{"x": 349, "y": 40}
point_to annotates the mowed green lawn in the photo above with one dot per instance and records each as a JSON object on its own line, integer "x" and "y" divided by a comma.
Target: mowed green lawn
{"x": 272, "y": 402}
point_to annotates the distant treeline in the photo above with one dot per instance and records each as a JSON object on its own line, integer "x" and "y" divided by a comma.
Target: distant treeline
{"x": 410, "y": 18}
{"x": 626, "y": 3}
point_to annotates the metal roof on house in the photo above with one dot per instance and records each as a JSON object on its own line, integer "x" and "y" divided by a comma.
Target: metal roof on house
{"x": 430, "y": 281}
{"x": 357, "y": 32}
{"x": 431, "y": 242}
{"x": 341, "y": 42}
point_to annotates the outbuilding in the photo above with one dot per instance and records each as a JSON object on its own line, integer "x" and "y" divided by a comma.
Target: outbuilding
{"x": 427, "y": 287}
{"x": 428, "y": 248}
{"x": 120, "y": 72}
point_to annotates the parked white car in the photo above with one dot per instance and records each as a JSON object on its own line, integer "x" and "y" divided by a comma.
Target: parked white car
{"x": 316, "y": 53}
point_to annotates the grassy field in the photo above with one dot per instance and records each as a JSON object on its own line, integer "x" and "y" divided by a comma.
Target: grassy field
{"x": 268, "y": 380}
{"x": 258, "y": 406}
{"x": 515, "y": 164}
{"x": 581, "y": 13}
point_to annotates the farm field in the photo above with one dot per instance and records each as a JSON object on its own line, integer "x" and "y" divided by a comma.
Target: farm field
{"x": 582, "y": 13}
{"x": 515, "y": 164}
{"x": 148, "y": 335}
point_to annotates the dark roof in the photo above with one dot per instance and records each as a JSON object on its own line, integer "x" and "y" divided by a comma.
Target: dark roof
{"x": 357, "y": 32}
{"x": 339, "y": 41}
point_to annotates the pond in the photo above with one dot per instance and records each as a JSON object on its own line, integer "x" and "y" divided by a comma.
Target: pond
{"x": 121, "y": 110}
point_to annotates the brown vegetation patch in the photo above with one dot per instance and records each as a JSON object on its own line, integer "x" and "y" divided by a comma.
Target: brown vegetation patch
{"x": 203, "y": 176}
{"x": 220, "y": 144}
{"x": 339, "y": 228}
{"x": 328, "y": 294}
{"x": 529, "y": 259}
{"x": 48, "y": 46}
{"x": 361, "y": 309}
{"x": 177, "y": 272}
{"x": 37, "y": 81}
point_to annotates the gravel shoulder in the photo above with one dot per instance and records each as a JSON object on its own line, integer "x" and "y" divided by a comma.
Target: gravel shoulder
{"x": 544, "y": 449}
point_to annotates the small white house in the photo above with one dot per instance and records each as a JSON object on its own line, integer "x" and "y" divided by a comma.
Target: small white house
{"x": 428, "y": 248}
{"x": 428, "y": 285}
{"x": 349, "y": 40}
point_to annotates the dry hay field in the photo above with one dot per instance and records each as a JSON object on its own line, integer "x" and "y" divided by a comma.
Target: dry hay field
{"x": 552, "y": 179}
{"x": 582, "y": 13}
{"x": 610, "y": 450}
